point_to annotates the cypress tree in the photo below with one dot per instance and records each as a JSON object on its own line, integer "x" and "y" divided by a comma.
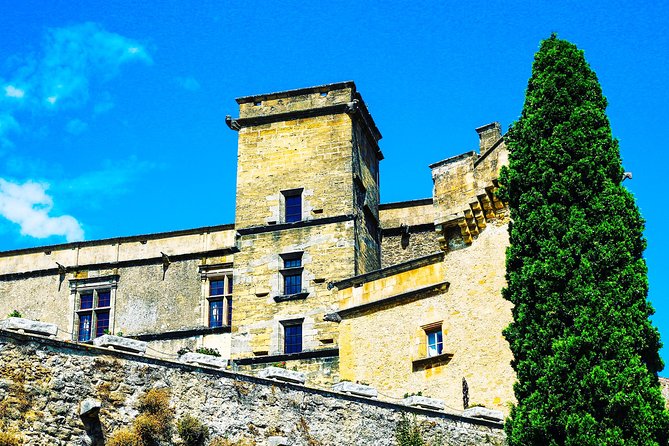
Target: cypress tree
{"x": 585, "y": 352}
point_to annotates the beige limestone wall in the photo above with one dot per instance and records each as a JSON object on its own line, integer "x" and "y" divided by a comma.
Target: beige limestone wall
{"x": 115, "y": 250}
{"x": 404, "y": 247}
{"x": 410, "y": 213}
{"x": 379, "y": 346}
{"x": 147, "y": 299}
{"x": 282, "y": 103}
{"x": 328, "y": 255}
{"x": 313, "y": 154}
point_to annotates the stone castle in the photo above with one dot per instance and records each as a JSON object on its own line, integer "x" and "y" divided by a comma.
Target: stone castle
{"x": 315, "y": 274}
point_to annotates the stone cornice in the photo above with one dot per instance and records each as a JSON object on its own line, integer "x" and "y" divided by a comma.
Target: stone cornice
{"x": 388, "y": 271}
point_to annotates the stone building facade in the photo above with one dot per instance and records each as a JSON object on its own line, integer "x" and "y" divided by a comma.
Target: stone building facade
{"x": 315, "y": 273}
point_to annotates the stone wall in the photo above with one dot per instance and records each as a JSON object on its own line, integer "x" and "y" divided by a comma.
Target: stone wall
{"x": 471, "y": 313}
{"x": 43, "y": 382}
{"x": 152, "y": 293}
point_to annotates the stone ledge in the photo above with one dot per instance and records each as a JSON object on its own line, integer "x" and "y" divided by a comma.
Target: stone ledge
{"x": 424, "y": 402}
{"x": 288, "y": 297}
{"x": 204, "y": 360}
{"x": 431, "y": 361}
{"x": 484, "y": 413}
{"x": 282, "y": 375}
{"x": 355, "y": 389}
{"x": 22, "y": 325}
{"x": 120, "y": 343}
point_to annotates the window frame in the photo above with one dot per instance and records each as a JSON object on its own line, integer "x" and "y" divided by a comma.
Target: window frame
{"x": 290, "y": 325}
{"x": 293, "y": 216}
{"x": 217, "y": 273}
{"x": 95, "y": 310}
{"x": 433, "y": 347}
{"x": 291, "y": 271}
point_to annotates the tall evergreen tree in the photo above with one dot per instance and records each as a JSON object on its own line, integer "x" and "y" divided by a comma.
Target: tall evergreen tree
{"x": 585, "y": 352}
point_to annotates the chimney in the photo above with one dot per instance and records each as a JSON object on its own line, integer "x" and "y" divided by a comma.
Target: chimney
{"x": 489, "y": 134}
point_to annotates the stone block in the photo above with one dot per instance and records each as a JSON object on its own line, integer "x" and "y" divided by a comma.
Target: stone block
{"x": 22, "y": 325}
{"x": 282, "y": 375}
{"x": 120, "y": 343}
{"x": 277, "y": 441}
{"x": 204, "y": 360}
{"x": 484, "y": 413}
{"x": 424, "y": 402}
{"x": 89, "y": 407}
{"x": 355, "y": 389}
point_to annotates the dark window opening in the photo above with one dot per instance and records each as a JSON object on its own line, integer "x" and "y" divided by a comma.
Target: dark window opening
{"x": 292, "y": 273}
{"x": 293, "y": 208}
{"x": 292, "y": 337}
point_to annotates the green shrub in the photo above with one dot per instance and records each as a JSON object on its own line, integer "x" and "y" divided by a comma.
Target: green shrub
{"x": 208, "y": 351}
{"x": 407, "y": 432}
{"x": 192, "y": 431}
{"x": 15, "y": 313}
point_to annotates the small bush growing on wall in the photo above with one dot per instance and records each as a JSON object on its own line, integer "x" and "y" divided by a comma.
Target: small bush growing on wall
{"x": 153, "y": 425}
{"x": 192, "y": 431}
{"x": 15, "y": 313}
{"x": 407, "y": 432}
{"x": 9, "y": 439}
{"x": 124, "y": 437}
{"x": 208, "y": 351}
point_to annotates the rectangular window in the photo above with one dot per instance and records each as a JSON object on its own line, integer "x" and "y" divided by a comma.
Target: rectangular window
{"x": 292, "y": 273}
{"x": 292, "y": 206}
{"x": 292, "y": 337}
{"x": 220, "y": 301}
{"x": 435, "y": 341}
{"x": 93, "y": 313}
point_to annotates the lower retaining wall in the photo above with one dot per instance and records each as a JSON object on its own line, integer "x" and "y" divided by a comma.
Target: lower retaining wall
{"x": 43, "y": 381}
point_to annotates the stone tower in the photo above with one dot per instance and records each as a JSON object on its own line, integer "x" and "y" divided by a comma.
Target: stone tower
{"x": 307, "y": 213}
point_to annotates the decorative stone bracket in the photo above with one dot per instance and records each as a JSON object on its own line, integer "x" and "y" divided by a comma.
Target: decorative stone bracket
{"x": 472, "y": 220}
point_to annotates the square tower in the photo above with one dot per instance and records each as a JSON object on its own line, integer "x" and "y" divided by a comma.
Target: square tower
{"x": 306, "y": 213}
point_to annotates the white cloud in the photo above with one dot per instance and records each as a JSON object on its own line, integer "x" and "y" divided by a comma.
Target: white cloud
{"x": 28, "y": 205}
{"x": 13, "y": 92}
{"x": 65, "y": 73}
{"x": 189, "y": 83}
{"x": 74, "y": 56}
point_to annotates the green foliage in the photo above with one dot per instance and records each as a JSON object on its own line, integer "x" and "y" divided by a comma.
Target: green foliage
{"x": 408, "y": 433}
{"x": 192, "y": 431}
{"x": 8, "y": 438}
{"x": 208, "y": 351}
{"x": 585, "y": 353}
{"x": 419, "y": 393}
{"x": 15, "y": 313}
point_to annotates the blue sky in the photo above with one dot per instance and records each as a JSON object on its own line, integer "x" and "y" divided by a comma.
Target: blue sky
{"x": 112, "y": 112}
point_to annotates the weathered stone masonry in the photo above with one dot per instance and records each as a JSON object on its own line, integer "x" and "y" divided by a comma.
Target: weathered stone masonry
{"x": 44, "y": 381}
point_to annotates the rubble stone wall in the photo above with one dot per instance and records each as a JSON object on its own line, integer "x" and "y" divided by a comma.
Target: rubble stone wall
{"x": 44, "y": 381}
